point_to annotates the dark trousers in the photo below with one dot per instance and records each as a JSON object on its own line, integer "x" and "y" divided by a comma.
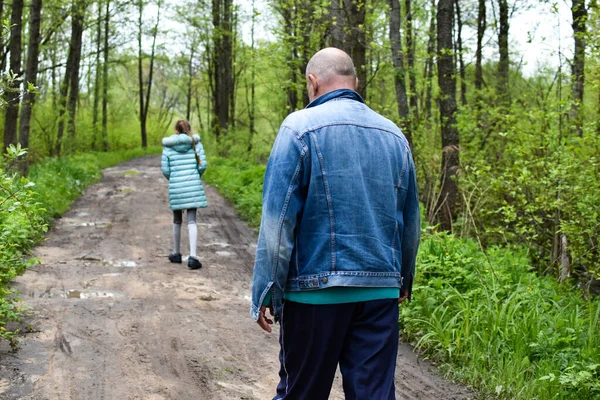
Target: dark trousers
{"x": 361, "y": 337}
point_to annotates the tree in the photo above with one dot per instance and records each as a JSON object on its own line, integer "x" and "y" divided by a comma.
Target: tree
{"x": 399, "y": 76}
{"x": 145, "y": 101}
{"x": 105, "y": 79}
{"x": 446, "y": 204}
{"x": 348, "y": 33}
{"x": 31, "y": 71}
{"x": 69, "y": 89}
{"x": 481, "y": 25}
{"x": 13, "y": 93}
{"x": 222, "y": 64}
{"x": 503, "y": 64}
{"x": 461, "y": 60}
{"x": 98, "y": 71}
{"x": 579, "y": 13}
{"x": 410, "y": 58}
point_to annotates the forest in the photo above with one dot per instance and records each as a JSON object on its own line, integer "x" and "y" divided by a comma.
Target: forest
{"x": 507, "y": 152}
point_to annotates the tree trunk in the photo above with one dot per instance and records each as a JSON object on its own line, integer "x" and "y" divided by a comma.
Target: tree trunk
{"x": 77, "y": 42}
{"x": 429, "y": 63}
{"x": 399, "y": 77}
{"x": 410, "y": 58}
{"x": 12, "y": 94}
{"x": 188, "y": 109}
{"x": 105, "y": 79}
{"x": 31, "y": 71}
{"x": 348, "y": 33}
{"x": 503, "y": 64}
{"x": 252, "y": 107}
{"x": 579, "y": 31}
{"x": 481, "y": 26}
{"x": 446, "y": 203}
{"x": 3, "y": 53}
{"x": 222, "y": 68}
{"x": 95, "y": 110}
{"x": 461, "y": 60}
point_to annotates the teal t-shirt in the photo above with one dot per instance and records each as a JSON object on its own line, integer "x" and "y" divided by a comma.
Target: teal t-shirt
{"x": 338, "y": 295}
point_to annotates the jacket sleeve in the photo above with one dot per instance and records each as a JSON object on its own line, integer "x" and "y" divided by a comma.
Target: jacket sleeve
{"x": 412, "y": 229}
{"x": 283, "y": 201}
{"x": 202, "y": 155}
{"x": 164, "y": 164}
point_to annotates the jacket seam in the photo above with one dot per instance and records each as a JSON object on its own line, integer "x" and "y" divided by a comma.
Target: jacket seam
{"x": 329, "y": 203}
{"x": 283, "y": 214}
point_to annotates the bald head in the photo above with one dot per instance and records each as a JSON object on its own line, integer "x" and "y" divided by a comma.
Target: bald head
{"x": 330, "y": 69}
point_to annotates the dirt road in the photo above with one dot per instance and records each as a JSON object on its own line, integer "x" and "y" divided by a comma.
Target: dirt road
{"x": 111, "y": 318}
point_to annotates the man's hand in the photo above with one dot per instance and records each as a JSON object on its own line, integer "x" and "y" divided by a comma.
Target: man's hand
{"x": 264, "y": 322}
{"x": 403, "y": 296}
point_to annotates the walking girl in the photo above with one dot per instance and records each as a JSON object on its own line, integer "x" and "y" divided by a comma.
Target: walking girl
{"x": 183, "y": 163}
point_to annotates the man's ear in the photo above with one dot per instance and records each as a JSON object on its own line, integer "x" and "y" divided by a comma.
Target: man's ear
{"x": 314, "y": 82}
{"x": 356, "y": 84}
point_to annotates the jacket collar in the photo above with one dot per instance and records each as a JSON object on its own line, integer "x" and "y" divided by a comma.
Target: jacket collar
{"x": 335, "y": 95}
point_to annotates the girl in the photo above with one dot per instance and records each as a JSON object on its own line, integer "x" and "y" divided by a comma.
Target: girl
{"x": 183, "y": 163}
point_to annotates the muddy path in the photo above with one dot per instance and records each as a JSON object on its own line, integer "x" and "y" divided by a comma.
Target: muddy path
{"x": 111, "y": 318}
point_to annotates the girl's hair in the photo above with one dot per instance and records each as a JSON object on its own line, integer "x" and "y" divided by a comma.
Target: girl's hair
{"x": 183, "y": 126}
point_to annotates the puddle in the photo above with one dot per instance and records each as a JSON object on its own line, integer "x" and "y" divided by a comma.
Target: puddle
{"x": 126, "y": 190}
{"x": 83, "y": 214}
{"x": 219, "y": 244}
{"x": 130, "y": 172}
{"x": 206, "y": 225}
{"x": 123, "y": 263}
{"x": 86, "y": 294}
{"x": 112, "y": 274}
{"x": 224, "y": 253}
{"x": 99, "y": 225}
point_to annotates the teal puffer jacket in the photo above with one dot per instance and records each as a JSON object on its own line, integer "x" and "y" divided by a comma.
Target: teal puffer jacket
{"x": 180, "y": 167}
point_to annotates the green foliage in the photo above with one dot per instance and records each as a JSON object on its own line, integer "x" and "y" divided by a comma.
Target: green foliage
{"x": 500, "y": 327}
{"x": 241, "y": 183}
{"x": 27, "y": 207}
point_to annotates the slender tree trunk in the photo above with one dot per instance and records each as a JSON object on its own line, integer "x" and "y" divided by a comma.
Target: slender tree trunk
{"x": 461, "y": 60}
{"x": 141, "y": 76}
{"x": 290, "y": 39}
{"x": 252, "y": 107}
{"x": 306, "y": 25}
{"x": 3, "y": 53}
{"x": 12, "y": 97}
{"x": 77, "y": 43}
{"x": 222, "y": 69}
{"x": 233, "y": 90}
{"x": 410, "y": 58}
{"x": 151, "y": 72}
{"x": 481, "y": 26}
{"x": 429, "y": 63}
{"x": 348, "y": 33}
{"x": 579, "y": 31}
{"x": 105, "y": 79}
{"x": 446, "y": 203}
{"x": 503, "y": 64}
{"x": 98, "y": 71}
{"x": 399, "y": 77}
{"x": 31, "y": 71}
{"x": 188, "y": 110}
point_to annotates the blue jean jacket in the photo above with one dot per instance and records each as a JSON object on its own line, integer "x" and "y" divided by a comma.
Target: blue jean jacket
{"x": 340, "y": 203}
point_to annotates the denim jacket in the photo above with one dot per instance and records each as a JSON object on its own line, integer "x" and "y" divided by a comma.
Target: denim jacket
{"x": 340, "y": 203}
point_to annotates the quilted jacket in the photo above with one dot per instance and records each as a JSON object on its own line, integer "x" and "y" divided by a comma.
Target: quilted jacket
{"x": 180, "y": 167}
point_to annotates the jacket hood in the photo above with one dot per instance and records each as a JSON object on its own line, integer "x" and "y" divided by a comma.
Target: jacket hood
{"x": 181, "y": 143}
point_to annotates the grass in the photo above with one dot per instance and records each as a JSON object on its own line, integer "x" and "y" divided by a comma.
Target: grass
{"x": 484, "y": 317}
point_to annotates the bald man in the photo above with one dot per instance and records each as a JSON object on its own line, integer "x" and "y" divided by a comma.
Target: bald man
{"x": 338, "y": 239}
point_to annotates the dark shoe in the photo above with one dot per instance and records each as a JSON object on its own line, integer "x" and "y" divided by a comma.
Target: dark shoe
{"x": 175, "y": 258}
{"x": 194, "y": 263}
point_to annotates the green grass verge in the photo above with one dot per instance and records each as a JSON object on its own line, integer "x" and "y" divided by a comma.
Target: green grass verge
{"x": 484, "y": 317}
{"x": 27, "y": 206}
{"x": 241, "y": 183}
